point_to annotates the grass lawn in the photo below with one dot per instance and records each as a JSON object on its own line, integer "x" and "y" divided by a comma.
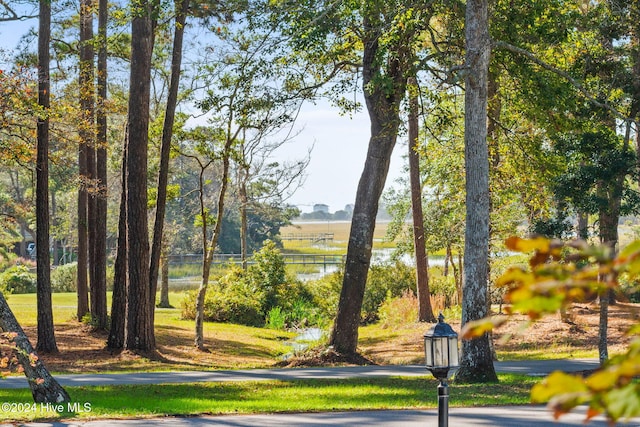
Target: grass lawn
{"x": 267, "y": 397}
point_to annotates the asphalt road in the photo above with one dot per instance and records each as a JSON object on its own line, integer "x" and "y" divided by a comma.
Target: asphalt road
{"x": 515, "y": 416}
{"x": 534, "y": 367}
{"x": 505, "y": 416}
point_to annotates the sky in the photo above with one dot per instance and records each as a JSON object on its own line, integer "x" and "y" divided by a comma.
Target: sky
{"x": 339, "y": 146}
{"x": 337, "y": 160}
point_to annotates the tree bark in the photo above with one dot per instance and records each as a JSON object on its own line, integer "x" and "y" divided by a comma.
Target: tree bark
{"x": 85, "y": 155}
{"x": 425, "y": 311}
{"x": 120, "y": 277}
{"x": 44, "y": 388}
{"x": 139, "y": 332}
{"x": 164, "y": 276}
{"x": 99, "y": 288}
{"x": 46, "y": 336}
{"x": 182, "y": 7}
{"x": 383, "y": 107}
{"x": 476, "y": 364}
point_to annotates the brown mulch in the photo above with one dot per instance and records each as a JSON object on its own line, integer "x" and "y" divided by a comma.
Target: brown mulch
{"x": 325, "y": 357}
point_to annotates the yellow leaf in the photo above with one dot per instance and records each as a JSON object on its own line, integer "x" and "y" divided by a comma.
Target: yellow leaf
{"x": 602, "y": 380}
{"x": 514, "y": 275}
{"x": 540, "y": 244}
{"x": 558, "y": 384}
{"x": 478, "y": 328}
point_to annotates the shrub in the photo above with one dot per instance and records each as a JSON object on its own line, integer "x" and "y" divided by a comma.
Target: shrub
{"x": 225, "y": 305}
{"x": 263, "y": 293}
{"x": 64, "y": 278}
{"x": 18, "y": 280}
{"x": 443, "y": 288}
{"x": 326, "y": 293}
{"x": 268, "y": 274}
{"x": 386, "y": 280}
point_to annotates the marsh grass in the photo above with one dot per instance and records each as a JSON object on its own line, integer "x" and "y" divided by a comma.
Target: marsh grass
{"x": 270, "y": 396}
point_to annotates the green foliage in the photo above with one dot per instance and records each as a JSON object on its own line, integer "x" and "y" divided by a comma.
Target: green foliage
{"x": 263, "y": 293}
{"x": 442, "y": 286}
{"x": 226, "y": 304}
{"x": 17, "y": 280}
{"x": 64, "y": 278}
{"x": 268, "y": 275}
{"x": 383, "y": 281}
{"x": 558, "y": 274}
{"x": 326, "y": 292}
{"x": 276, "y": 319}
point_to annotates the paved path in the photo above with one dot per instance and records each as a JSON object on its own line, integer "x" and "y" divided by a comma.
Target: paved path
{"x": 535, "y": 367}
{"x": 507, "y": 416}
{"x": 513, "y": 416}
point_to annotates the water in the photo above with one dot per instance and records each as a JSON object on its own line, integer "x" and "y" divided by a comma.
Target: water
{"x": 302, "y": 341}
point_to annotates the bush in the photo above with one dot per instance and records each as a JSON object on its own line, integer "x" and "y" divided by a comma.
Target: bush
{"x": 18, "y": 280}
{"x": 268, "y": 274}
{"x": 326, "y": 293}
{"x": 64, "y": 278}
{"x": 262, "y": 294}
{"x": 443, "y": 288}
{"x": 228, "y": 305}
{"x": 383, "y": 281}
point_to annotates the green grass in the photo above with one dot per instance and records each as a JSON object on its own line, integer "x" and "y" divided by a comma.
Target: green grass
{"x": 64, "y": 307}
{"x": 272, "y": 396}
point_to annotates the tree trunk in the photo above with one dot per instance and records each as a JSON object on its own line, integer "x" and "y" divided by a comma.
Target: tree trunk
{"x": 85, "y": 131}
{"x": 425, "y": 311}
{"x": 476, "y": 364}
{"x": 164, "y": 276}
{"x": 99, "y": 287}
{"x": 46, "y": 336}
{"x": 119, "y": 297}
{"x": 383, "y": 107}
{"x": 139, "y": 333}
{"x": 182, "y": 7}
{"x": 244, "y": 252}
{"x": 583, "y": 225}
{"x": 44, "y": 388}
{"x": 209, "y": 251}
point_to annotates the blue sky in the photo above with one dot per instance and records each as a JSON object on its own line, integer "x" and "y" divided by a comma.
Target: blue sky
{"x": 339, "y": 145}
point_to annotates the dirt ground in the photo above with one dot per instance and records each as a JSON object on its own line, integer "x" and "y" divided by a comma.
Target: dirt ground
{"x": 83, "y": 350}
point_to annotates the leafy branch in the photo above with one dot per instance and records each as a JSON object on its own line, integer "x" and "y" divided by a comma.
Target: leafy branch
{"x": 559, "y": 274}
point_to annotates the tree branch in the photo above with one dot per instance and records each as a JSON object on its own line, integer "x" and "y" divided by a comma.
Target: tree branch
{"x": 575, "y": 83}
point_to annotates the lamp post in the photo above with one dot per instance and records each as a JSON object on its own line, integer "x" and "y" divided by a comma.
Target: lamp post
{"x": 441, "y": 354}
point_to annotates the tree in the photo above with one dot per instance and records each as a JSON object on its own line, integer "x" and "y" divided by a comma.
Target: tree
{"x": 425, "y": 312}
{"x": 386, "y": 62}
{"x": 139, "y": 332}
{"x": 44, "y": 388}
{"x": 181, "y": 7}
{"x": 204, "y": 143}
{"x": 46, "y": 333}
{"x": 86, "y": 156}
{"x": 99, "y": 284}
{"x": 476, "y": 364}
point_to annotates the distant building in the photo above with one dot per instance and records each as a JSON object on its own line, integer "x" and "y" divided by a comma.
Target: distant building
{"x": 319, "y": 207}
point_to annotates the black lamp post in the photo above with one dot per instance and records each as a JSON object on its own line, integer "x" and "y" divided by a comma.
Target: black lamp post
{"x": 441, "y": 354}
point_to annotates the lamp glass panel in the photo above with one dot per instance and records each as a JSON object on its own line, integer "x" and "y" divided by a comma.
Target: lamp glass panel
{"x": 440, "y": 352}
{"x": 428, "y": 351}
{"x": 453, "y": 351}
